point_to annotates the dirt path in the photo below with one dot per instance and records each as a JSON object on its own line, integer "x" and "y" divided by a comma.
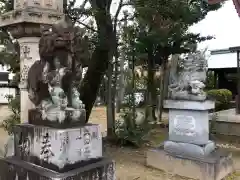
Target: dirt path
{"x": 130, "y": 165}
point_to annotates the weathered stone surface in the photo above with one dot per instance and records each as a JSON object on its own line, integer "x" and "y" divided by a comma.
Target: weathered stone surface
{"x": 188, "y": 76}
{"x": 188, "y": 126}
{"x": 35, "y": 118}
{"x": 46, "y": 4}
{"x": 215, "y": 166}
{"x": 32, "y": 15}
{"x": 14, "y": 169}
{"x": 58, "y": 149}
{"x": 189, "y": 121}
{"x": 53, "y": 81}
{"x": 28, "y": 54}
{"x": 189, "y": 105}
{"x": 189, "y": 149}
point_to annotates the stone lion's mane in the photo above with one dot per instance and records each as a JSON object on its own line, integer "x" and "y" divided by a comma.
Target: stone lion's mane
{"x": 58, "y": 41}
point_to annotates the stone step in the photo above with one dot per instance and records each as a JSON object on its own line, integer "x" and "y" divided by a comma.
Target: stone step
{"x": 225, "y": 122}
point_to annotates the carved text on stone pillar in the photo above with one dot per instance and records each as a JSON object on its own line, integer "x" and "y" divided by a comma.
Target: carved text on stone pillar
{"x": 24, "y": 145}
{"x": 46, "y": 150}
{"x": 24, "y": 75}
{"x": 25, "y": 51}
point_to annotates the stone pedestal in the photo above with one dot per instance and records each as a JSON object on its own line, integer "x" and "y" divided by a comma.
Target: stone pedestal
{"x": 42, "y": 152}
{"x": 188, "y": 151}
{"x": 188, "y": 121}
{"x": 58, "y": 149}
{"x": 215, "y": 166}
{"x": 35, "y": 117}
{"x": 13, "y": 169}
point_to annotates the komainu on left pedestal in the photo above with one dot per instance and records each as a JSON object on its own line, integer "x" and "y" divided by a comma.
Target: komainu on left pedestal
{"x": 58, "y": 143}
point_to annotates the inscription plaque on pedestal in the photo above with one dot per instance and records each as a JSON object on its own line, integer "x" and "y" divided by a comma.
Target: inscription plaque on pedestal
{"x": 185, "y": 125}
{"x": 188, "y": 126}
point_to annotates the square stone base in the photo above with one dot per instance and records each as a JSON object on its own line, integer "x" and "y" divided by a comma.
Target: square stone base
{"x": 187, "y": 149}
{"x": 58, "y": 149}
{"x": 14, "y": 169}
{"x": 35, "y": 117}
{"x": 216, "y": 166}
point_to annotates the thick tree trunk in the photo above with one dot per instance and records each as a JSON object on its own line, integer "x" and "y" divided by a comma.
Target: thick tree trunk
{"x": 101, "y": 56}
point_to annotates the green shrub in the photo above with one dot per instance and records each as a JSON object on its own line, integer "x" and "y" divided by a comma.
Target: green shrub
{"x": 14, "y": 118}
{"x": 128, "y": 132}
{"x": 222, "y": 97}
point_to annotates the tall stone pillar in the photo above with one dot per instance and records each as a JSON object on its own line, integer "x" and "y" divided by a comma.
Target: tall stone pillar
{"x": 24, "y": 23}
{"x": 28, "y": 55}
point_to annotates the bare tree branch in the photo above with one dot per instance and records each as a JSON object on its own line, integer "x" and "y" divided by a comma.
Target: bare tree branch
{"x": 126, "y": 19}
{"x": 87, "y": 26}
{"x": 120, "y": 6}
{"x": 83, "y": 6}
{"x": 116, "y": 15}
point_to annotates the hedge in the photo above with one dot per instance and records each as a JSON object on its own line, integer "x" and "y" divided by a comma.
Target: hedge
{"x": 222, "y": 97}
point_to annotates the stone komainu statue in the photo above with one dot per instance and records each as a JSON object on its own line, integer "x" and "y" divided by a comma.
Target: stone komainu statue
{"x": 70, "y": 46}
{"x": 187, "y": 80}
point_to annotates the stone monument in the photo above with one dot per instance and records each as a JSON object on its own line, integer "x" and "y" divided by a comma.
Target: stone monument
{"x": 57, "y": 142}
{"x": 188, "y": 151}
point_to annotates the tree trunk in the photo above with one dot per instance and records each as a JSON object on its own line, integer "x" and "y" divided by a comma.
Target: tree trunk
{"x": 163, "y": 86}
{"x": 151, "y": 89}
{"x": 101, "y": 55}
{"x": 110, "y": 104}
{"x": 168, "y": 75}
{"x": 161, "y": 96}
{"x": 120, "y": 92}
{"x": 133, "y": 89}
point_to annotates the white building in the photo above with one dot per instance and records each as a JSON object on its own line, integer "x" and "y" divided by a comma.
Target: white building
{"x": 5, "y": 88}
{"x": 223, "y": 63}
{"x": 222, "y": 59}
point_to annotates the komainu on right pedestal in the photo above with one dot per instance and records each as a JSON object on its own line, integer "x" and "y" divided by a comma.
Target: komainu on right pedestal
{"x": 188, "y": 151}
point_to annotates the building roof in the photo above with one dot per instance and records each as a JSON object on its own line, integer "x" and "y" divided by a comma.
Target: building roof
{"x": 223, "y": 58}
